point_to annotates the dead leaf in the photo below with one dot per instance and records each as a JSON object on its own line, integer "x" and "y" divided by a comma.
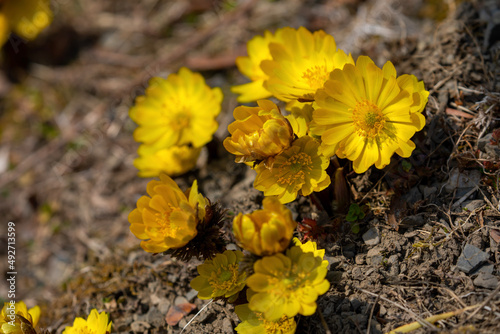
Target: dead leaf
{"x": 397, "y": 211}
{"x": 456, "y": 112}
{"x": 495, "y": 235}
{"x": 177, "y": 312}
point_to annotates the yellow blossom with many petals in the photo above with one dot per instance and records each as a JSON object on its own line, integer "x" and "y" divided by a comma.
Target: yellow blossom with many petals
{"x": 179, "y": 110}
{"x": 167, "y": 219}
{"x": 267, "y": 231}
{"x": 300, "y": 169}
{"x": 365, "y": 114}
{"x": 175, "y": 160}
{"x": 220, "y": 276}
{"x": 287, "y": 285}
{"x": 96, "y": 323}
{"x": 258, "y": 50}
{"x": 10, "y": 313}
{"x": 258, "y": 132}
{"x": 301, "y": 64}
{"x": 255, "y": 323}
{"x": 27, "y": 18}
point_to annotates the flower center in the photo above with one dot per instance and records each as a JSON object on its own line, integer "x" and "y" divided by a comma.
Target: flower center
{"x": 295, "y": 168}
{"x": 181, "y": 119}
{"x": 224, "y": 278}
{"x": 163, "y": 219}
{"x": 368, "y": 119}
{"x": 282, "y": 325}
{"x": 316, "y": 76}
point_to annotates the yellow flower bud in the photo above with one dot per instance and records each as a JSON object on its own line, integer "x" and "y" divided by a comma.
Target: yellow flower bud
{"x": 258, "y": 132}
{"x": 267, "y": 231}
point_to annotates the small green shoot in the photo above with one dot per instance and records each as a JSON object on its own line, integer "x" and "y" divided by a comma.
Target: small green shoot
{"x": 353, "y": 215}
{"x": 406, "y": 165}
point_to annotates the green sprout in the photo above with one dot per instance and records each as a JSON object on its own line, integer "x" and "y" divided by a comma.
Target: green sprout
{"x": 353, "y": 215}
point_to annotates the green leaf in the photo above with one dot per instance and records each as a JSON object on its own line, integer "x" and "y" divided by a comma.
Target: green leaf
{"x": 354, "y": 213}
{"x": 355, "y": 228}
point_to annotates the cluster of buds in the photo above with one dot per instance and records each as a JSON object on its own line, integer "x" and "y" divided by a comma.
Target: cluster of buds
{"x": 352, "y": 110}
{"x": 186, "y": 225}
{"x": 282, "y": 279}
{"x": 286, "y": 165}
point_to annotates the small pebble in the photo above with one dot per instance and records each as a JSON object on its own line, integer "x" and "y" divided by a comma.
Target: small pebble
{"x": 371, "y": 237}
{"x": 487, "y": 281}
{"x": 471, "y": 258}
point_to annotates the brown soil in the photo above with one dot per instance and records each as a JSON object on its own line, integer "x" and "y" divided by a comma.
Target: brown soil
{"x": 68, "y": 183}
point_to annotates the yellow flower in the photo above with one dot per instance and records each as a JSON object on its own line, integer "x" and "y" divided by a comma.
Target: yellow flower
{"x": 301, "y": 64}
{"x": 365, "y": 114}
{"x": 168, "y": 218}
{"x": 258, "y": 50}
{"x": 267, "y": 231}
{"x": 8, "y": 316}
{"x": 300, "y": 169}
{"x": 288, "y": 285}
{"x": 175, "y": 160}
{"x": 258, "y": 132}
{"x": 96, "y": 323}
{"x": 220, "y": 276}
{"x": 255, "y": 323}
{"x": 179, "y": 110}
{"x": 27, "y": 18}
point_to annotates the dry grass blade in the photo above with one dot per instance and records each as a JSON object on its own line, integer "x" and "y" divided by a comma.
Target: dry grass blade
{"x": 323, "y": 322}
{"x": 371, "y": 316}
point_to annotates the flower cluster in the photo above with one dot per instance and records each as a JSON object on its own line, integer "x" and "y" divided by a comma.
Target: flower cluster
{"x": 285, "y": 278}
{"x": 337, "y": 107}
{"x": 27, "y": 18}
{"x": 262, "y": 137}
{"x": 176, "y": 118}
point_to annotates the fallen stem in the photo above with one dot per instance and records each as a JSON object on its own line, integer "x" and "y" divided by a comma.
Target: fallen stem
{"x": 323, "y": 322}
